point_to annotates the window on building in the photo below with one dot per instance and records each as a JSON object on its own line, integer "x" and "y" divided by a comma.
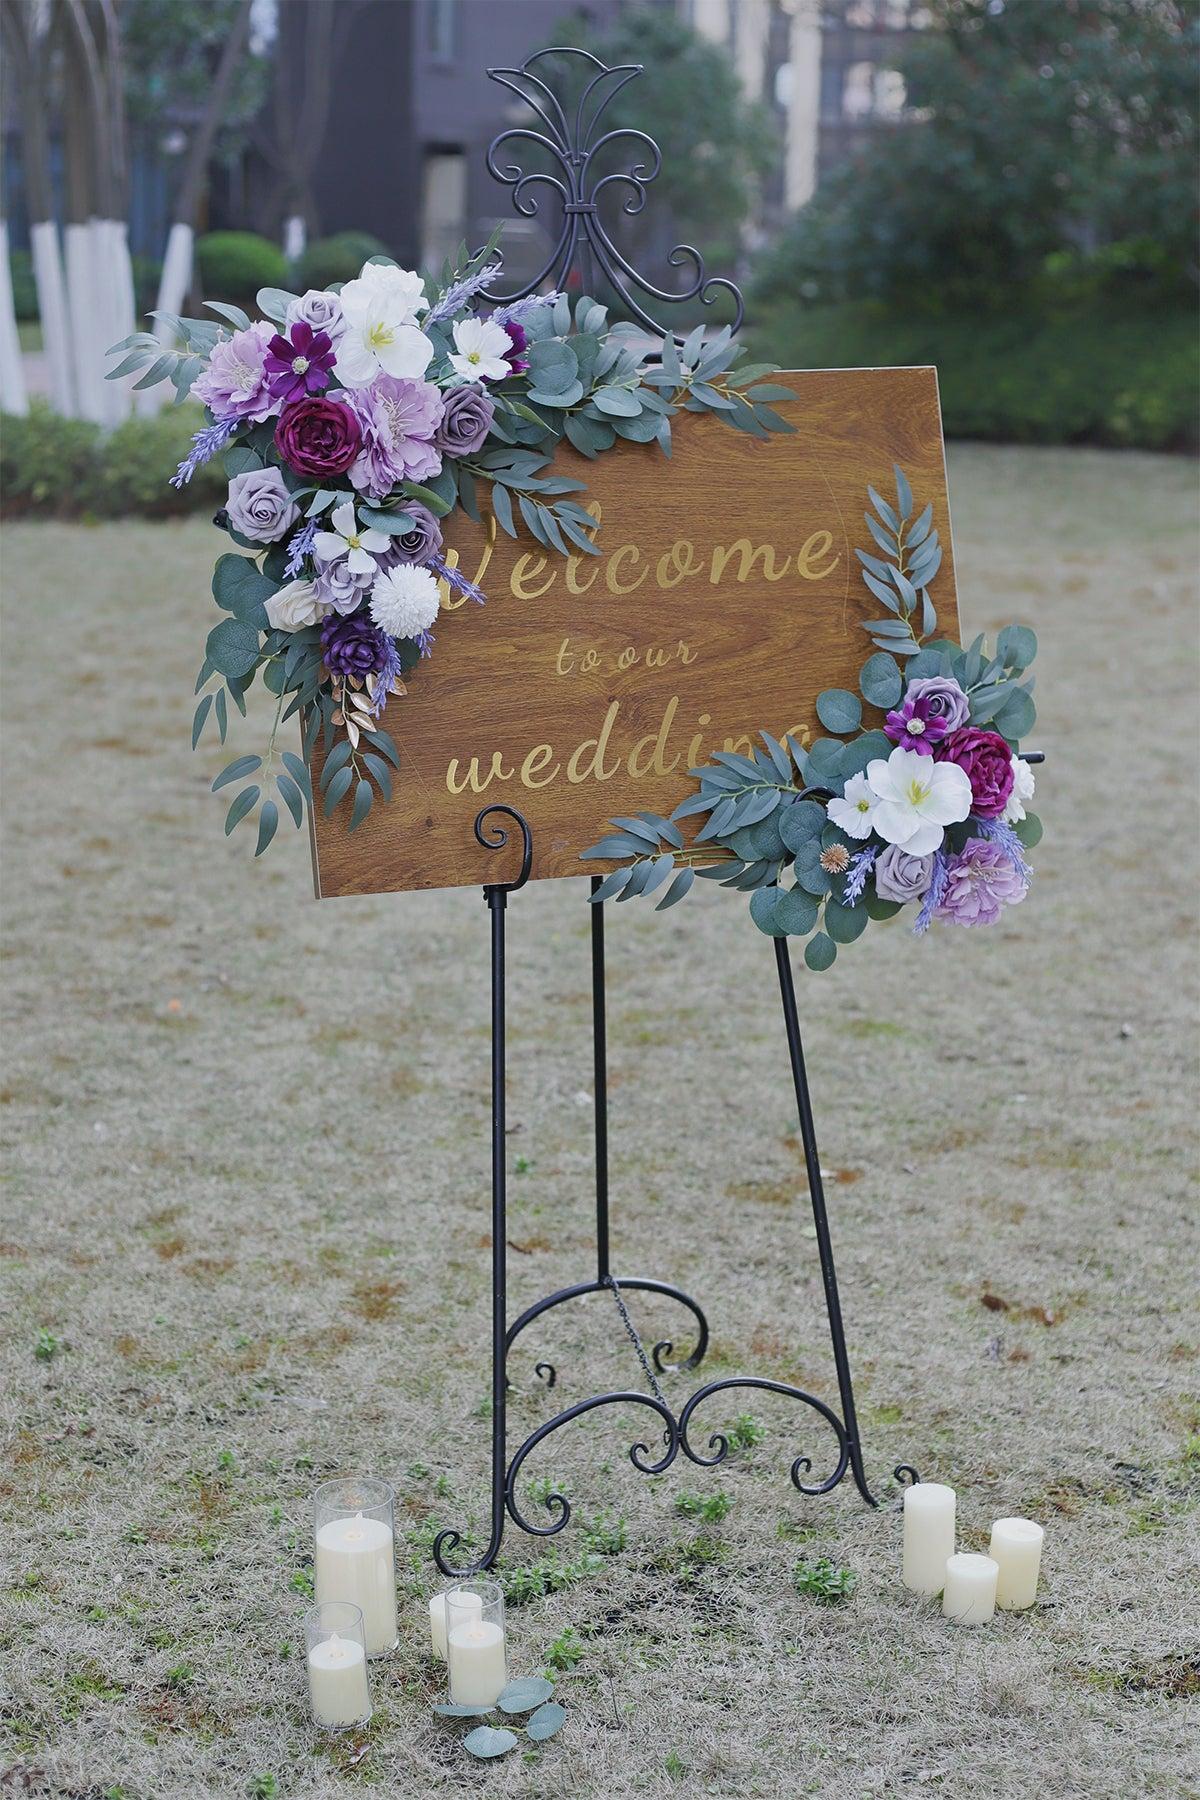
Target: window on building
{"x": 443, "y": 204}
{"x": 442, "y": 21}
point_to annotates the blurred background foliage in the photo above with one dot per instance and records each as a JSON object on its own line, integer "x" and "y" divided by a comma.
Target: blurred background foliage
{"x": 1032, "y": 231}
{"x": 1024, "y": 218}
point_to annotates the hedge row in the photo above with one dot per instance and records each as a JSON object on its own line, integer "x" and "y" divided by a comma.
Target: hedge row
{"x": 1102, "y": 375}
{"x": 69, "y": 468}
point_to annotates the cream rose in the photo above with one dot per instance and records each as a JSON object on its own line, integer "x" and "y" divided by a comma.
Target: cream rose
{"x": 296, "y": 605}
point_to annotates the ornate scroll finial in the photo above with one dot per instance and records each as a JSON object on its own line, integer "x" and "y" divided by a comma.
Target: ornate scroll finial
{"x": 572, "y": 143}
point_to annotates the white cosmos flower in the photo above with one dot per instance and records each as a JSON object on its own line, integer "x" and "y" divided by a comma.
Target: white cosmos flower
{"x": 483, "y": 348}
{"x": 350, "y": 542}
{"x": 405, "y": 600}
{"x": 380, "y": 311}
{"x": 916, "y": 799}
{"x": 855, "y": 812}
{"x": 292, "y": 607}
{"x": 1022, "y": 790}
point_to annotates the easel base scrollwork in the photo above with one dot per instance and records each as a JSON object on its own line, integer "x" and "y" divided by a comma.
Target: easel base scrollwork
{"x": 676, "y": 1424}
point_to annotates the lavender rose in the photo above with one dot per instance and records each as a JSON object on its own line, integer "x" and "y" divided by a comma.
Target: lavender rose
{"x": 980, "y": 882}
{"x": 318, "y": 437}
{"x": 466, "y": 421}
{"x": 320, "y": 310}
{"x": 419, "y": 543}
{"x": 942, "y": 698}
{"x": 259, "y": 505}
{"x": 986, "y": 760}
{"x": 900, "y": 876}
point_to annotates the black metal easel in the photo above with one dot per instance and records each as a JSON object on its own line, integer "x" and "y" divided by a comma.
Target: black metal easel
{"x": 584, "y": 245}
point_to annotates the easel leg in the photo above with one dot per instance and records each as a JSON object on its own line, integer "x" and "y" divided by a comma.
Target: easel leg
{"x": 816, "y": 1190}
{"x": 496, "y": 895}
{"x": 600, "y": 1083}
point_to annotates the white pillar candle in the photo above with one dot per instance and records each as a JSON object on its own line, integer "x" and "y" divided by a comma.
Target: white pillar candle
{"x": 1016, "y": 1550}
{"x": 928, "y": 1535}
{"x": 337, "y": 1682}
{"x": 355, "y": 1562}
{"x": 969, "y": 1593}
{"x": 437, "y": 1615}
{"x": 478, "y": 1664}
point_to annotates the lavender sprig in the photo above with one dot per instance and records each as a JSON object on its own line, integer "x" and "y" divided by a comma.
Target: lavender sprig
{"x": 459, "y": 292}
{"x": 300, "y": 546}
{"x": 385, "y": 674}
{"x": 425, "y": 641}
{"x": 205, "y": 444}
{"x": 1006, "y": 837}
{"x": 520, "y": 309}
{"x": 456, "y": 578}
{"x": 933, "y": 894}
{"x": 860, "y": 867}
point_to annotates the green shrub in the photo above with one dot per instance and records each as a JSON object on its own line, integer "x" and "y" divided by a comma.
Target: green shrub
{"x": 235, "y": 264}
{"x": 337, "y": 258}
{"x": 23, "y": 285}
{"x": 1105, "y": 372}
{"x": 64, "y": 468}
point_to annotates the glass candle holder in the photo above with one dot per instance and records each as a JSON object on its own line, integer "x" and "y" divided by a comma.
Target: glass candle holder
{"x": 354, "y": 1553}
{"x": 336, "y": 1649}
{"x": 475, "y": 1643}
{"x": 437, "y": 1617}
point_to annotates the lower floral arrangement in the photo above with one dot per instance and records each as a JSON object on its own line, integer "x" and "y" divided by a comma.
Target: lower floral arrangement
{"x": 929, "y": 811}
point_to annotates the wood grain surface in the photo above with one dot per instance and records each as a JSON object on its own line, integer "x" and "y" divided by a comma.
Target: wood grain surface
{"x": 726, "y": 596}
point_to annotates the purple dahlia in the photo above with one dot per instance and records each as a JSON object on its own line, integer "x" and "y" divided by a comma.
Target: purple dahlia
{"x": 354, "y": 645}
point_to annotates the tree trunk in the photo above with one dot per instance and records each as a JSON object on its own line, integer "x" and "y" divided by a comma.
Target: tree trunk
{"x": 82, "y": 234}
{"x": 176, "y": 278}
{"x": 30, "y": 57}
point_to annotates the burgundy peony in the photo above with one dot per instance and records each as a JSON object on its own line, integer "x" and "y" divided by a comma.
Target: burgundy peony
{"x": 986, "y": 760}
{"x": 318, "y": 437}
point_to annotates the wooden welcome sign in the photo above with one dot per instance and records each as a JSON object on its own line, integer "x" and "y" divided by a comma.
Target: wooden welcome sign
{"x": 725, "y": 597}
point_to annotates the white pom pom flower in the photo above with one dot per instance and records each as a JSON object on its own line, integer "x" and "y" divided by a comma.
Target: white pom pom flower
{"x": 405, "y": 600}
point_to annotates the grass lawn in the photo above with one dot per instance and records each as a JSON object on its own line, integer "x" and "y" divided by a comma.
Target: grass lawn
{"x": 244, "y": 1241}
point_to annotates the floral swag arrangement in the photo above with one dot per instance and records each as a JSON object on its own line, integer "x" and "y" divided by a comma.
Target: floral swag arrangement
{"x": 929, "y": 810}
{"x": 351, "y": 420}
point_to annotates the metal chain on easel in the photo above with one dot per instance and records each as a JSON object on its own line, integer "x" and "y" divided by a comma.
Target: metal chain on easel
{"x": 611, "y": 1282}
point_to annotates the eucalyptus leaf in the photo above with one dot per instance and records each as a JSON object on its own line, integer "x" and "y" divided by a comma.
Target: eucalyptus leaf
{"x": 881, "y": 681}
{"x": 524, "y": 1694}
{"x": 489, "y": 1740}
{"x": 796, "y": 911}
{"x": 839, "y": 710}
{"x": 762, "y": 911}
{"x": 268, "y": 819}
{"x": 244, "y": 803}
{"x": 617, "y": 402}
{"x": 800, "y": 822}
{"x": 546, "y": 1721}
{"x": 447, "y": 1710}
{"x": 678, "y": 889}
{"x": 820, "y": 951}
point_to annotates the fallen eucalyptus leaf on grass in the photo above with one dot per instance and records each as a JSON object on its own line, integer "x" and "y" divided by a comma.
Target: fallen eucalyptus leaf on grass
{"x": 546, "y": 1721}
{"x": 522, "y": 1696}
{"x": 487, "y": 1741}
{"x": 462, "y": 1712}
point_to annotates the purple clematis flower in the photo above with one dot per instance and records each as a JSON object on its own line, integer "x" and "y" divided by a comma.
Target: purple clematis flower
{"x": 299, "y": 363}
{"x": 917, "y": 724}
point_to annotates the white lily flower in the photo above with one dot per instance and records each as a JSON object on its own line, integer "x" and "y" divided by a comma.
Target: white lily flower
{"x": 916, "y": 799}
{"x": 481, "y": 351}
{"x": 355, "y": 544}
{"x": 380, "y": 311}
{"x": 856, "y": 811}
